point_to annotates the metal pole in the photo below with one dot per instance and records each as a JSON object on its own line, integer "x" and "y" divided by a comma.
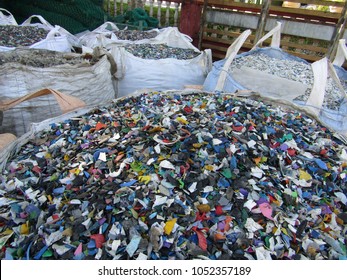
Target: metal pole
{"x": 338, "y": 33}
{"x": 262, "y": 20}
{"x": 202, "y": 23}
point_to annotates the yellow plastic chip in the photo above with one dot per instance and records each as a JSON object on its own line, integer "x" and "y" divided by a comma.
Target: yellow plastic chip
{"x": 169, "y": 225}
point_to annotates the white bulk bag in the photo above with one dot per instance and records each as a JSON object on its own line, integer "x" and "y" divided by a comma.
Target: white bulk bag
{"x": 174, "y": 38}
{"x": 58, "y": 38}
{"x": 65, "y": 103}
{"x": 99, "y": 37}
{"x": 134, "y": 73}
{"x": 104, "y": 36}
{"x": 7, "y": 19}
{"x": 221, "y": 79}
{"x": 6, "y": 139}
{"x": 281, "y": 90}
{"x": 14, "y": 146}
{"x": 91, "y": 83}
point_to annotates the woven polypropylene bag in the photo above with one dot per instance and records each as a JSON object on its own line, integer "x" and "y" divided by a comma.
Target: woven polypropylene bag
{"x": 91, "y": 83}
{"x": 6, "y": 18}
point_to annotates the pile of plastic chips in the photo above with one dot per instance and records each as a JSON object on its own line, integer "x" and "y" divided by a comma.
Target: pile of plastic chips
{"x": 291, "y": 69}
{"x": 160, "y": 51}
{"x": 135, "y": 35}
{"x": 177, "y": 176}
{"x": 44, "y": 58}
{"x": 16, "y": 36}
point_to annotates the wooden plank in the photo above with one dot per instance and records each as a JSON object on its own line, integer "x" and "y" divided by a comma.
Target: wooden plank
{"x": 218, "y": 56}
{"x": 213, "y": 48}
{"x": 221, "y": 46}
{"x": 267, "y": 42}
{"x": 305, "y": 13}
{"x": 228, "y": 3}
{"x": 304, "y": 47}
{"x": 202, "y": 22}
{"x": 319, "y": 2}
{"x": 305, "y": 56}
{"x": 225, "y": 42}
{"x": 226, "y": 33}
{"x": 251, "y": 38}
{"x": 215, "y": 41}
{"x": 220, "y": 51}
{"x": 222, "y": 32}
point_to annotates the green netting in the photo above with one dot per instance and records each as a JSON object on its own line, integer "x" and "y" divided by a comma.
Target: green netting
{"x": 78, "y": 15}
{"x": 21, "y": 8}
{"x": 95, "y": 14}
{"x": 89, "y": 9}
{"x": 25, "y": 11}
{"x": 141, "y": 24}
{"x": 120, "y": 19}
{"x": 129, "y": 16}
{"x": 74, "y": 15}
{"x": 71, "y": 11}
{"x": 152, "y": 22}
{"x": 137, "y": 18}
{"x": 68, "y": 23}
{"x": 98, "y": 2}
{"x": 139, "y": 14}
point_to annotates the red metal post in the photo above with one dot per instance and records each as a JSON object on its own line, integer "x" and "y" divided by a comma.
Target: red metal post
{"x": 190, "y": 19}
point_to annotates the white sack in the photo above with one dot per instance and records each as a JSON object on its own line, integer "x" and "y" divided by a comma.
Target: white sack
{"x": 284, "y": 91}
{"x": 91, "y": 83}
{"x": 104, "y": 36}
{"x": 58, "y": 38}
{"x": 134, "y": 73}
{"x": 14, "y": 146}
{"x": 7, "y": 18}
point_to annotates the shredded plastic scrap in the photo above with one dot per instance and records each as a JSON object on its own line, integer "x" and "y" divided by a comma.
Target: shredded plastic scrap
{"x": 177, "y": 176}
